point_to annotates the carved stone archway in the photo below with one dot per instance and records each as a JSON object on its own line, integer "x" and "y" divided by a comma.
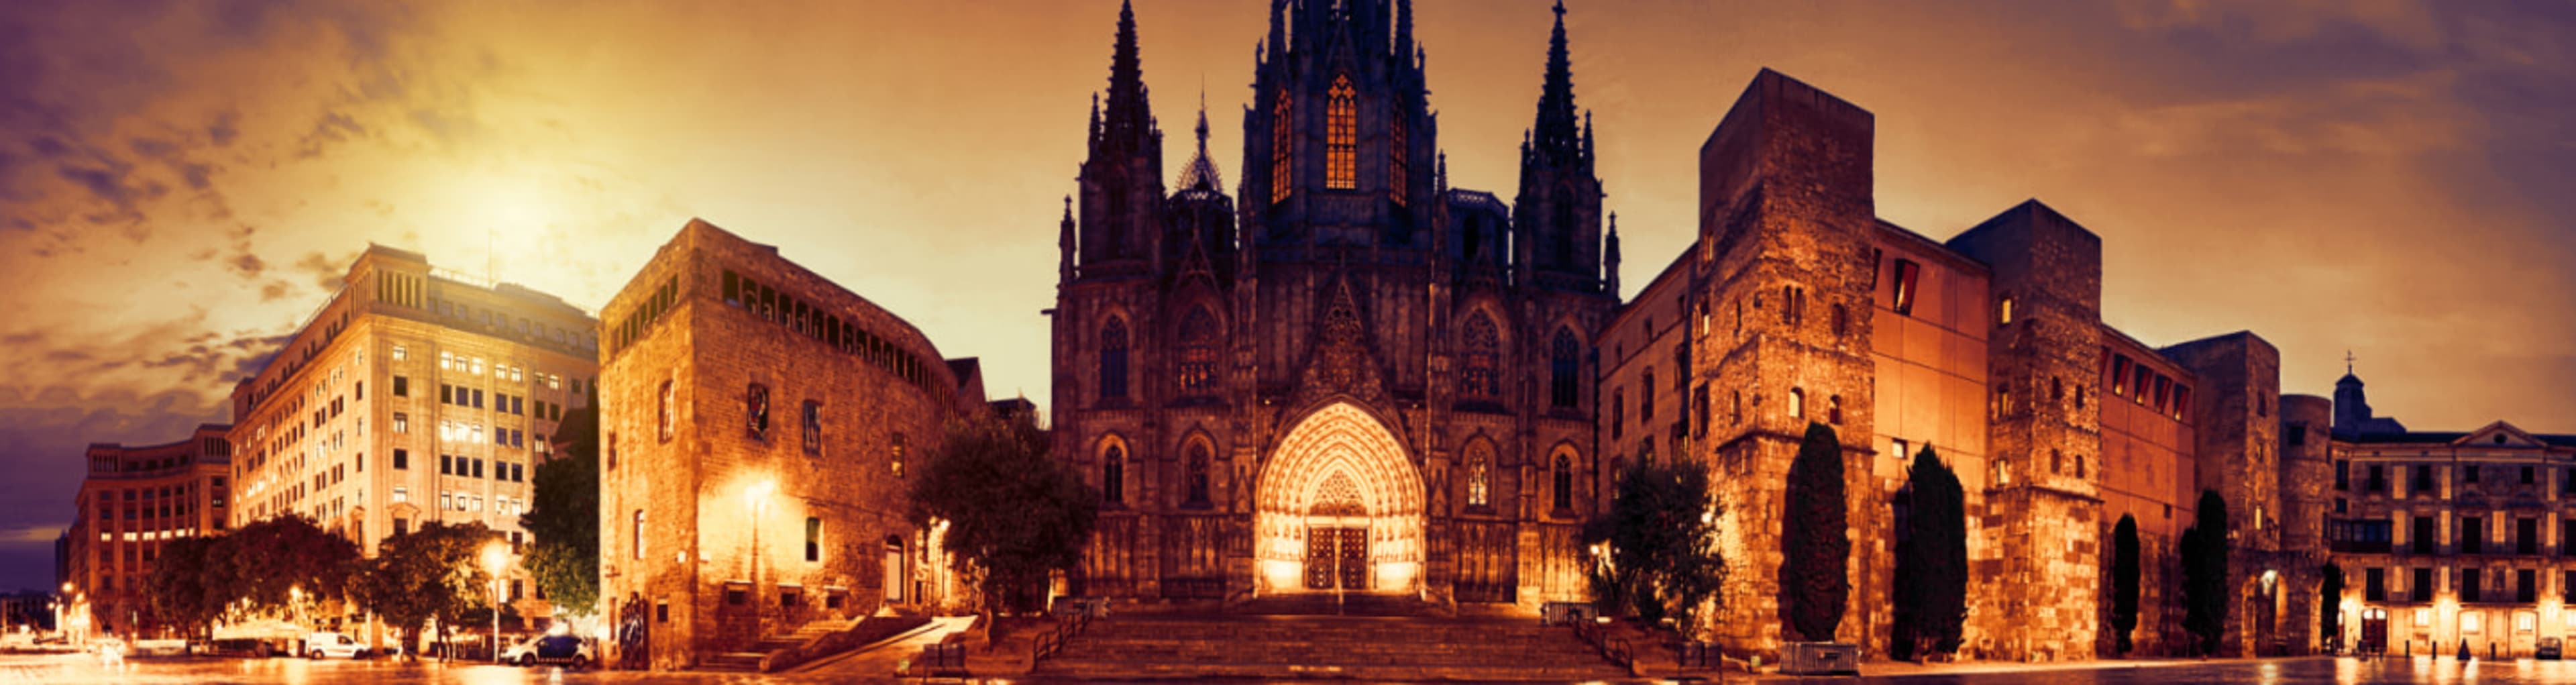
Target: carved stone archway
{"x": 1339, "y": 468}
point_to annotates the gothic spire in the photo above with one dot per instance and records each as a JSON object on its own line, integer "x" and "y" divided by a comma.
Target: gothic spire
{"x": 1278, "y": 41}
{"x": 1201, "y": 173}
{"x": 1554, "y": 134}
{"x": 1130, "y": 118}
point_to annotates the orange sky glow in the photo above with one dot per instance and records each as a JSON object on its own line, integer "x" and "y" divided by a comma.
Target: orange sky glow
{"x": 181, "y": 182}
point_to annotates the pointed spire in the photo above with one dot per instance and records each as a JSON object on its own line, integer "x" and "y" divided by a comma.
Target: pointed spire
{"x": 1440, "y": 178}
{"x": 1610, "y": 258}
{"x": 1201, "y": 172}
{"x": 1130, "y": 118}
{"x": 1403, "y": 29}
{"x": 1555, "y": 134}
{"x": 1065, "y": 242}
{"x": 1588, "y": 150}
{"x": 1095, "y": 121}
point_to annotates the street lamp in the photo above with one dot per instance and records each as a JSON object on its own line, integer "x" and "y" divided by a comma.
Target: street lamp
{"x": 757, "y": 497}
{"x": 496, "y": 558}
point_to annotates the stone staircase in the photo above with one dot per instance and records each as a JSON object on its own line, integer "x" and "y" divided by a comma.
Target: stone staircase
{"x": 1409, "y": 648}
{"x": 1321, "y": 604}
{"x": 748, "y": 660}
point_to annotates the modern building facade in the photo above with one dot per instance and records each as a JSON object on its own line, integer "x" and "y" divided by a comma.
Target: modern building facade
{"x": 2447, "y": 540}
{"x": 414, "y": 395}
{"x": 134, "y": 501}
{"x": 1348, "y": 377}
{"x": 757, "y": 421}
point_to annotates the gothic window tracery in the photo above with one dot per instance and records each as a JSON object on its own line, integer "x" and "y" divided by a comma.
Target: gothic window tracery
{"x": 1564, "y": 482}
{"x": 1480, "y": 474}
{"x": 1341, "y": 135}
{"x": 1564, "y": 368}
{"x": 1482, "y": 344}
{"x": 1280, "y": 148}
{"x": 1113, "y": 475}
{"x": 1113, "y": 359}
{"x": 1198, "y": 474}
{"x": 755, "y": 405}
{"x": 1397, "y": 153}
{"x": 1198, "y": 350}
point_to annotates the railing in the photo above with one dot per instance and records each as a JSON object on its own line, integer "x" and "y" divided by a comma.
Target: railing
{"x": 945, "y": 660}
{"x": 1612, "y": 647}
{"x": 1702, "y": 655}
{"x": 1054, "y": 639}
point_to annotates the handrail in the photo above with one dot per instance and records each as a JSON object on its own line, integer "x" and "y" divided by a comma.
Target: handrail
{"x": 1616, "y": 649}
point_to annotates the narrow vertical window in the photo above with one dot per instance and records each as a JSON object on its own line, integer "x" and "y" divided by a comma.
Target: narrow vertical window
{"x": 1646, "y": 397}
{"x": 813, "y": 427}
{"x": 1906, "y": 272}
{"x": 813, "y": 539}
{"x": 1198, "y": 350}
{"x": 755, "y": 410}
{"x": 1281, "y": 146}
{"x": 1398, "y": 155}
{"x": 637, "y": 541}
{"x": 1481, "y": 377}
{"x": 1564, "y": 483}
{"x": 1480, "y": 474}
{"x": 1797, "y": 403}
{"x": 896, "y": 455}
{"x": 1565, "y": 363}
{"x": 1113, "y": 360}
{"x": 663, "y": 414}
{"x": 1834, "y": 410}
{"x": 1198, "y": 474}
{"x": 1113, "y": 475}
{"x": 1341, "y": 135}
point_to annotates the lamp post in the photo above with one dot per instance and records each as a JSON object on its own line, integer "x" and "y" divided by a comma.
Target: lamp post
{"x": 496, "y": 558}
{"x": 756, "y": 496}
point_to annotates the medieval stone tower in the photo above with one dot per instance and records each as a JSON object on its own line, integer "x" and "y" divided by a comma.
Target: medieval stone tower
{"x": 1345, "y": 376}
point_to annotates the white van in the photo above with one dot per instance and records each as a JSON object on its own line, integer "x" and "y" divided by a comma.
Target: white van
{"x": 325, "y": 645}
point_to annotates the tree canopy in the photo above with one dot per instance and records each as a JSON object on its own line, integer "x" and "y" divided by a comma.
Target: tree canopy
{"x": 1815, "y": 538}
{"x": 2204, "y": 572}
{"x": 187, "y": 587}
{"x": 2330, "y": 604}
{"x": 1013, "y": 515}
{"x": 267, "y": 563}
{"x": 1931, "y": 561}
{"x": 1661, "y": 537}
{"x": 433, "y": 572}
{"x": 563, "y": 519}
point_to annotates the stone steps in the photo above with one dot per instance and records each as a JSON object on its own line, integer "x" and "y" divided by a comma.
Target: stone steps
{"x": 1327, "y": 647}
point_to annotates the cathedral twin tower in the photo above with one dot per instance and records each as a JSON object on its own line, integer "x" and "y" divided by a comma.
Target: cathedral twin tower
{"x": 1346, "y": 376}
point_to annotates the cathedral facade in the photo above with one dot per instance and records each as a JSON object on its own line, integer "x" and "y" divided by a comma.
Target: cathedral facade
{"x": 1344, "y": 376}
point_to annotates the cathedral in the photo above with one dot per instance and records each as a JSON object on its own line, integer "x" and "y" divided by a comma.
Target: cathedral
{"x": 1339, "y": 375}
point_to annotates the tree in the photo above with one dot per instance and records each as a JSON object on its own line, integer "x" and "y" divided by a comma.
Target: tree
{"x": 187, "y": 589}
{"x": 268, "y": 564}
{"x": 1013, "y": 514}
{"x": 1931, "y": 561}
{"x": 2124, "y": 582}
{"x": 1661, "y": 537}
{"x": 563, "y": 517}
{"x": 434, "y": 572}
{"x": 2204, "y": 572}
{"x": 1815, "y": 538}
{"x": 2330, "y": 605}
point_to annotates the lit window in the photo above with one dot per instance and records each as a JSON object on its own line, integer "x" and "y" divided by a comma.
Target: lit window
{"x": 1282, "y": 146}
{"x": 401, "y": 353}
{"x": 896, "y": 458}
{"x": 1797, "y": 403}
{"x": 813, "y": 539}
{"x": 1341, "y": 135}
{"x": 1480, "y": 474}
{"x": 637, "y": 539}
{"x": 1906, "y": 272}
{"x": 2471, "y": 622}
{"x": 446, "y": 360}
{"x": 2004, "y": 311}
{"x": 1198, "y": 350}
{"x": 813, "y": 427}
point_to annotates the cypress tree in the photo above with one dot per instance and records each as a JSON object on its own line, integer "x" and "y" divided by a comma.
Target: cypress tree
{"x": 2330, "y": 605}
{"x": 2204, "y": 573}
{"x": 2124, "y": 581}
{"x": 1932, "y": 562}
{"x": 1815, "y": 539}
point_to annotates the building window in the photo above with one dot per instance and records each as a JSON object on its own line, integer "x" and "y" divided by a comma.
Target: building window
{"x": 1480, "y": 473}
{"x": 1646, "y": 396}
{"x": 2004, "y": 310}
{"x": 1483, "y": 344}
{"x": 636, "y": 540}
{"x": 1198, "y": 350}
{"x": 1398, "y": 155}
{"x": 1618, "y": 411}
{"x": 1793, "y": 305}
{"x": 1113, "y": 475}
{"x": 2003, "y": 477}
{"x": 1198, "y": 474}
{"x": 1834, "y": 410}
{"x": 1565, "y": 365}
{"x": 1341, "y": 135}
{"x": 2119, "y": 376}
{"x": 1281, "y": 145}
{"x": 755, "y": 411}
{"x": 1564, "y": 483}
{"x": 402, "y": 458}
{"x": 813, "y": 427}
{"x": 813, "y": 539}
{"x": 402, "y": 386}
{"x": 1906, "y": 273}
{"x": 662, "y": 421}
{"x": 895, "y": 455}
{"x": 1797, "y": 403}
{"x": 1113, "y": 360}
{"x": 402, "y": 422}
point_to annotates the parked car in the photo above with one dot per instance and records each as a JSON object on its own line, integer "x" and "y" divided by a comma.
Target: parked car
{"x": 549, "y": 649}
{"x": 326, "y": 645}
{"x": 2549, "y": 649}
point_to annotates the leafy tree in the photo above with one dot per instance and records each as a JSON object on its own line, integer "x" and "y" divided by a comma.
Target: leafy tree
{"x": 1013, "y": 514}
{"x": 2330, "y": 605}
{"x": 2204, "y": 572}
{"x": 1932, "y": 561}
{"x": 1815, "y": 538}
{"x": 434, "y": 572}
{"x": 2124, "y": 581}
{"x": 1661, "y": 535}
{"x": 267, "y": 563}
{"x": 186, "y": 587}
{"x": 564, "y": 517}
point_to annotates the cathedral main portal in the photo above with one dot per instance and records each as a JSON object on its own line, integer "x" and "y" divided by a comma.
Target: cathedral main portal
{"x": 1339, "y": 508}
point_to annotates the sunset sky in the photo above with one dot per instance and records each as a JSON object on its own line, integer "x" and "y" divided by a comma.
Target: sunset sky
{"x": 181, "y": 182}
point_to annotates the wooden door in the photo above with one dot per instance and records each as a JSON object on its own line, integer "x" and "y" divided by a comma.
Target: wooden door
{"x": 1353, "y": 558}
{"x": 1320, "y": 557}
{"x": 2374, "y": 631}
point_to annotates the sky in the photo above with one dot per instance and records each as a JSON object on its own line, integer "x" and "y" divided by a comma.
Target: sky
{"x": 183, "y": 182}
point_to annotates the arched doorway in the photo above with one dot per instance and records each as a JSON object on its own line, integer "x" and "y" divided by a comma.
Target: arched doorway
{"x": 1338, "y": 507}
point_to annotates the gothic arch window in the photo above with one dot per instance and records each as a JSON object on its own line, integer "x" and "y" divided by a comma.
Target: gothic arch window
{"x": 1483, "y": 355}
{"x": 1797, "y": 403}
{"x": 1397, "y": 155}
{"x": 1198, "y": 474}
{"x": 1198, "y": 350}
{"x": 1480, "y": 474}
{"x": 1341, "y": 135}
{"x": 1834, "y": 410}
{"x": 1113, "y": 359}
{"x": 1113, "y": 474}
{"x": 755, "y": 411}
{"x": 1563, "y": 482}
{"x": 1565, "y": 363}
{"x": 1282, "y": 145}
